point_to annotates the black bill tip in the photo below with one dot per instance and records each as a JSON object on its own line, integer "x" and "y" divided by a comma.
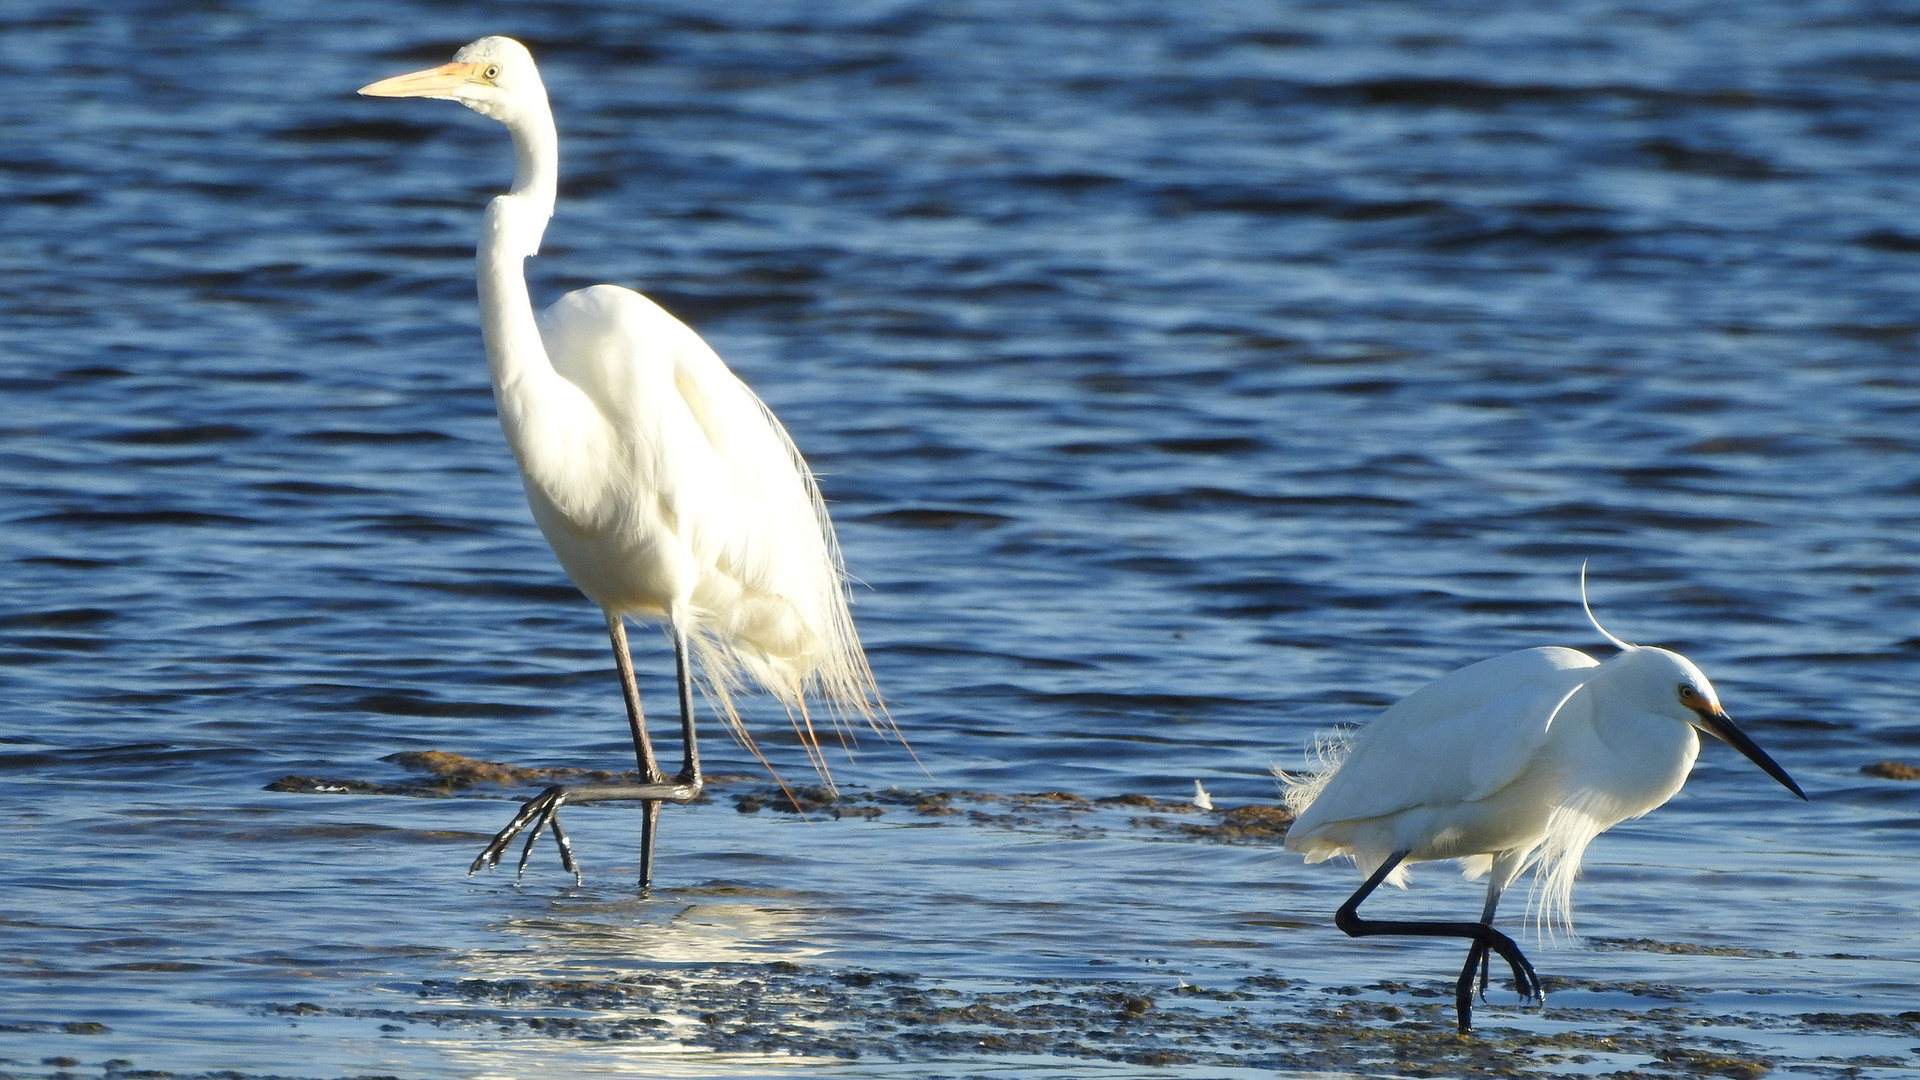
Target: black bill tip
{"x": 1719, "y": 725}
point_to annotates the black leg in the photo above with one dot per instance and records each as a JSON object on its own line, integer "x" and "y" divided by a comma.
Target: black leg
{"x": 541, "y": 812}
{"x": 630, "y": 690}
{"x": 1484, "y": 938}
{"x": 649, "y": 828}
{"x": 642, "y": 745}
{"x": 690, "y": 751}
{"x": 1463, "y": 988}
{"x": 1497, "y": 881}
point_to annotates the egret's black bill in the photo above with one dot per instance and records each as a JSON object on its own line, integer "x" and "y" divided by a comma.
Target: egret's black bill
{"x": 1720, "y": 726}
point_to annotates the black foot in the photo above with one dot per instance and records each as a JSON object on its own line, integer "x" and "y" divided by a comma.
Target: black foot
{"x": 1525, "y": 982}
{"x": 542, "y": 812}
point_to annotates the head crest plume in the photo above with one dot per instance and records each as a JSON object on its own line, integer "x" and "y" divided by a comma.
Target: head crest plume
{"x": 1623, "y": 646}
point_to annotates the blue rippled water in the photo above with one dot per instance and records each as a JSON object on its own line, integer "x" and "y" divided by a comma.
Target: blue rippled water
{"x": 1185, "y": 379}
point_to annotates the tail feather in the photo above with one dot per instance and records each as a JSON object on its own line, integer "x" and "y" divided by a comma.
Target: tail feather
{"x": 839, "y": 675}
{"x": 833, "y": 673}
{"x": 1302, "y": 789}
{"x": 1324, "y": 757}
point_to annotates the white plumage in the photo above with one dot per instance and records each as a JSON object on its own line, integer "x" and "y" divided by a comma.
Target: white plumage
{"x": 676, "y": 494}
{"x": 1495, "y": 760}
{"x": 1515, "y": 761}
{"x": 667, "y": 490}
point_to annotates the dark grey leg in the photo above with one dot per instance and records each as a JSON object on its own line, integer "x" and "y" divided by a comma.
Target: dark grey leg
{"x": 690, "y": 752}
{"x": 642, "y": 745}
{"x": 541, "y": 812}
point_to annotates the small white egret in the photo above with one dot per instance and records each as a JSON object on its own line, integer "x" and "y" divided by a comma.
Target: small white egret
{"x": 666, "y": 488}
{"x": 1515, "y": 761}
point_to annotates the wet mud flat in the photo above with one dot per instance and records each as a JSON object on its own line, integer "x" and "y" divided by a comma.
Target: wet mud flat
{"x": 1258, "y": 1022}
{"x": 439, "y": 774}
{"x": 906, "y": 1023}
{"x": 900, "y": 1023}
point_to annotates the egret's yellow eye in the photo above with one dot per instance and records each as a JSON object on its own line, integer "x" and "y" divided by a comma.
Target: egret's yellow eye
{"x": 1686, "y": 692}
{"x": 492, "y": 72}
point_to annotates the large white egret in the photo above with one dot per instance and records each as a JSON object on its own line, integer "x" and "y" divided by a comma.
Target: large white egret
{"x": 666, "y": 488}
{"x": 1515, "y": 761}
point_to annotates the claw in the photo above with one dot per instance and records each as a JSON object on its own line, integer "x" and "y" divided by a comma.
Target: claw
{"x": 1524, "y": 980}
{"x": 550, "y": 802}
{"x": 526, "y": 849}
{"x": 542, "y": 812}
{"x": 1526, "y": 983}
{"x": 539, "y": 811}
{"x": 566, "y": 851}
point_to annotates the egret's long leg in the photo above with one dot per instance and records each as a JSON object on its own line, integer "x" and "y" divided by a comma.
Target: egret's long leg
{"x": 1483, "y": 936}
{"x": 689, "y": 780}
{"x": 642, "y": 746}
{"x": 683, "y": 671}
{"x": 541, "y": 812}
{"x": 630, "y": 690}
{"x": 1477, "y": 955}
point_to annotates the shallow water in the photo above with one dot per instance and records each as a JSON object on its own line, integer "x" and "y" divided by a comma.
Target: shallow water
{"x": 1185, "y": 380}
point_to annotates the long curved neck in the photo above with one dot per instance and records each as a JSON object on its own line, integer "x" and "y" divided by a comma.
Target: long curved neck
{"x": 536, "y": 168}
{"x": 509, "y": 232}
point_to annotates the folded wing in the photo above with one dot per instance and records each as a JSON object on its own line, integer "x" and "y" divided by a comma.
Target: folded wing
{"x": 1458, "y": 739}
